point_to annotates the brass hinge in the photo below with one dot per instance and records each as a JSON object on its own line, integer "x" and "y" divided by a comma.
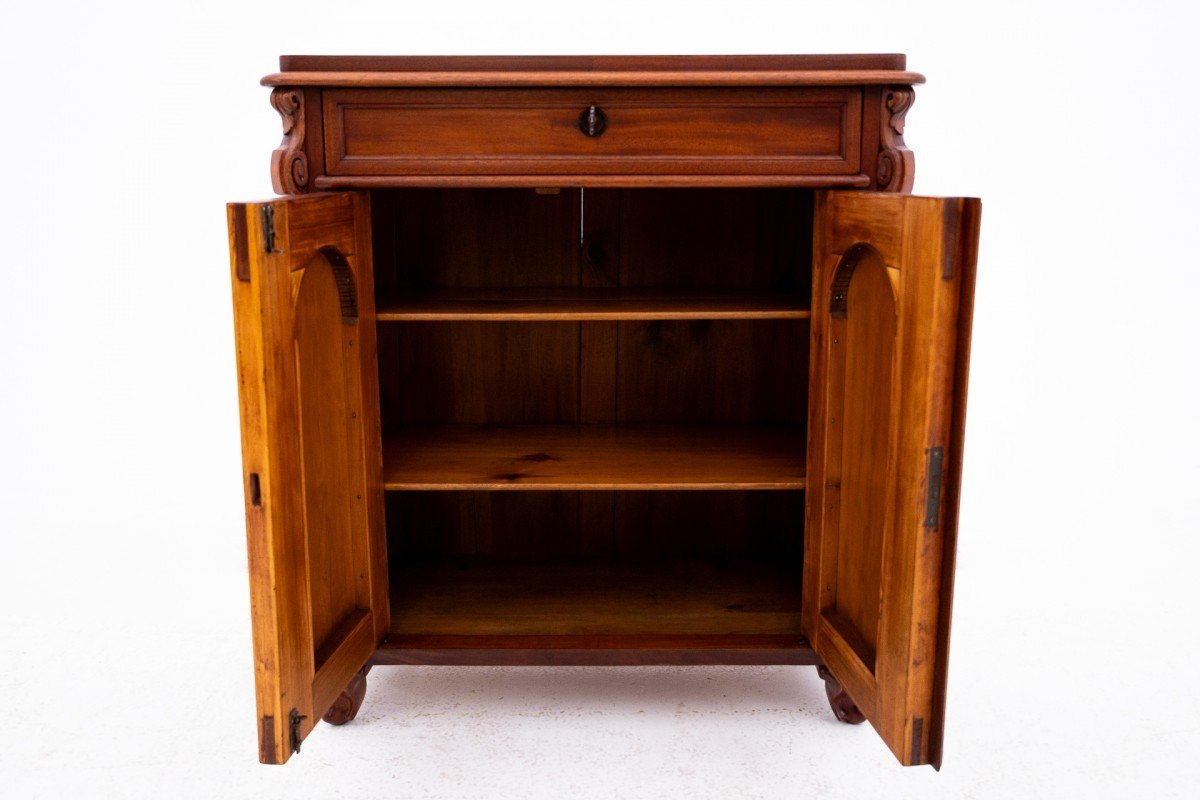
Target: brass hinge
{"x": 294, "y": 720}
{"x": 268, "y": 229}
{"x": 933, "y": 486}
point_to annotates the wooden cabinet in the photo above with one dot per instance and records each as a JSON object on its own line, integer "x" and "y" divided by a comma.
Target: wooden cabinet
{"x": 601, "y": 361}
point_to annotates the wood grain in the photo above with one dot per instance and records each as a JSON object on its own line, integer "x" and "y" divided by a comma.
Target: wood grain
{"x": 681, "y": 131}
{"x": 715, "y": 238}
{"x": 654, "y": 420}
{"x": 311, "y": 454}
{"x": 596, "y": 650}
{"x": 548, "y": 305}
{"x": 345, "y": 708}
{"x": 713, "y": 371}
{"x": 584, "y": 63}
{"x": 377, "y": 121}
{"x": 593, "y": 457}
{"x": 966, "y": 235}
{"x": 556, "y": 524}
{"x": 861, "y": 352}
{"x": 479, "y": 373}
{"x": 602, "y": 596}
{"x": 442, "y": 78}
{"x": 629, "y": 180}
{"x": 885, "y": 356}
{"x": 478, "y": 239}
{"x": 328, "y": 386}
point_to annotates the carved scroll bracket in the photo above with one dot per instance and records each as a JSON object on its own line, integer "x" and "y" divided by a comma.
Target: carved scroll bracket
{"x": 895, "y": 167}
{"x": 289, "y": 164}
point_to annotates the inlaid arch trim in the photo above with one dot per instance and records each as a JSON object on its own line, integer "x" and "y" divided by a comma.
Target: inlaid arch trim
{"x": 343, "y": 277}
{"x": 840, "y": 288}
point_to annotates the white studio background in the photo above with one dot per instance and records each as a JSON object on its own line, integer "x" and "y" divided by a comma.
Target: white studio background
{"x": 125, "y": 666}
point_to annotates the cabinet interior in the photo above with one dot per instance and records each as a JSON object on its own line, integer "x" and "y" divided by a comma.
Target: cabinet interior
{"x": 593, "y": 408}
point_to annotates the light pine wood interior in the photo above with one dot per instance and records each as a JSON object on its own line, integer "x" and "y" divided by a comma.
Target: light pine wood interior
{"x": 626, "y": 597}
{"x": 587, "y": 394}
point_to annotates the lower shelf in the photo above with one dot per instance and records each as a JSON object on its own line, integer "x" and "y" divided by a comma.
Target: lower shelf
{"x": 601, "y": 599}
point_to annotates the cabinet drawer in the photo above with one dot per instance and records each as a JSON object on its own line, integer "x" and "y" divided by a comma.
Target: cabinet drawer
{"x": 695, "y": 131}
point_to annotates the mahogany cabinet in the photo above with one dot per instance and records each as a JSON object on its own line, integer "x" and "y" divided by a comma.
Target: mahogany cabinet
{"x": 614, "y": 360}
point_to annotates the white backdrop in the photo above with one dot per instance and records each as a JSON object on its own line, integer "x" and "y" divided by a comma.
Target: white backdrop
{"x": 125, "y": 667}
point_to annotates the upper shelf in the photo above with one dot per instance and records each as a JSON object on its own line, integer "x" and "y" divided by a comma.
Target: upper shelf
{"x": 565, "y": 305}
{"x": 765, "y": 70}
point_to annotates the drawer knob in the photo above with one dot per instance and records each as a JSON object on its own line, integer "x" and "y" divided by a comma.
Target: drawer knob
{"x": 592, "y": 121}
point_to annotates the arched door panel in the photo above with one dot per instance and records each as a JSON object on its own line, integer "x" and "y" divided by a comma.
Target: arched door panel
{"x": 892, "y": 283}
{"x": 304, "y": 313}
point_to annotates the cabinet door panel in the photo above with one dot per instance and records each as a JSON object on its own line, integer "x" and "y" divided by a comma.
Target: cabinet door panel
{"x": 893, "y": 277}
{"x": 304, "y": 318}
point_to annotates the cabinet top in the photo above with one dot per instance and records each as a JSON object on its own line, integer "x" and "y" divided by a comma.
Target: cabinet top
{"x": 755, "y": 70}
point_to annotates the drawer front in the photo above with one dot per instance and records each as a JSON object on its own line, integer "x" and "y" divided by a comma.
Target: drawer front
{"x": 787, "y": 131}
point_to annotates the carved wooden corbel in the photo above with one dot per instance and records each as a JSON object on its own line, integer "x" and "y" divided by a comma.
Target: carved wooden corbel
{"x": 289, "y": 164}
{"x": 895, "y": 167}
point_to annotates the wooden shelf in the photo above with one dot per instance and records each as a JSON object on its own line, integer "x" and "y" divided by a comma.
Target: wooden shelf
{"x": 610, "y": 597}
{"x": 599, "y": 457}
{"x": 565, "y": 305}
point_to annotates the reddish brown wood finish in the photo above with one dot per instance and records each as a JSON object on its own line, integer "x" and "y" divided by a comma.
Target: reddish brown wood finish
{"x": 639, "y": 180}
{"x": 593, "y": 458}
{"x": 843, "y": 707}
{"x": 377, "y": 132}
{"x": 304, "y": 317}
{"x": 530, "y": 79}
{"x": 633, "y": 357}
{"x": 889, "y": 274}
{"x": 589, "y": 651}
{"x": 289, "y": 162}
{"x": 591, "y": 305}
{"x": 603, "y": 596}
{"x": 495, "y": 121}
{"x": 345, "y": 707}
{"x": 571, "y": 64}
{"x": 968, "y": 243}
{"x": 895, "y": 166}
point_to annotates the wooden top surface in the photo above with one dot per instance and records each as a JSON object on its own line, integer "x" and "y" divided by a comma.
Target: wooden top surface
{"x": 756, "y": 70}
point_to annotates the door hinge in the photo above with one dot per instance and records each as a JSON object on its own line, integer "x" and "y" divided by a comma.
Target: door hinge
{"x": 268, "y": 229}
{"x": 933, "y": 485}
{"x": 294, "y": 720}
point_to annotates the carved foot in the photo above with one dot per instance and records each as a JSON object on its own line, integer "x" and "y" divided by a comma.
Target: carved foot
{"x": 843, "y": 707}
{"x": 345, "y": 708}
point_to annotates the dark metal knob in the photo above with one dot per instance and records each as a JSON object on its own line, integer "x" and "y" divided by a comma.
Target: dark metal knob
{"x": 592, "y": 121}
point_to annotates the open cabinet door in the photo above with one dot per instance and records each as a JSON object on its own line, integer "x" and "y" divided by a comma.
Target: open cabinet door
{"x": 893, "y": 279}
{"x": 304, "y": 315}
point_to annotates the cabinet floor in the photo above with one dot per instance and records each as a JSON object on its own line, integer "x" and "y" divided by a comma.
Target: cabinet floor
{"x": 597, "y": 597}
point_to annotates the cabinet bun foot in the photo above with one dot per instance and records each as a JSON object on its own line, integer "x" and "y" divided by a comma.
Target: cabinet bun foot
{"x": 843, "y": 707}
{"x": 345, "y": 708}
